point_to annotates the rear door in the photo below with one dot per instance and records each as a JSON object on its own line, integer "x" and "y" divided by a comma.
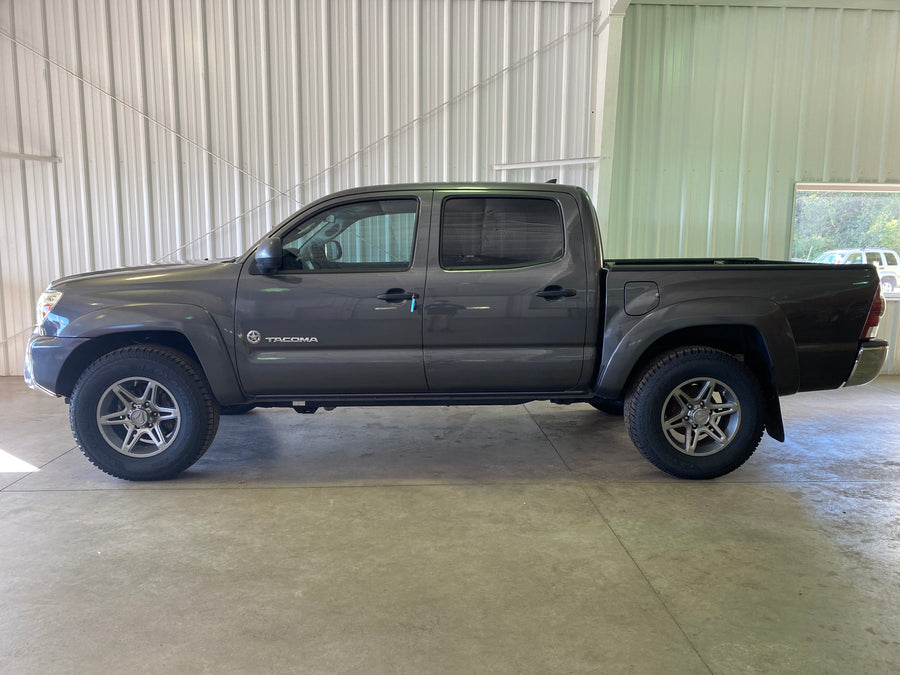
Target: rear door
{"x": 342, "y": 314}
{"x": 506, "y": 303}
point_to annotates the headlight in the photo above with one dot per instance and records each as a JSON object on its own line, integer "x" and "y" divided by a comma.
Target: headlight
{"x": 46, "y": 303}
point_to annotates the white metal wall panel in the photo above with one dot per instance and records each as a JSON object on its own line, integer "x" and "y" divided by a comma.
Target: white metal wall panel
{"x": 724, "y": 109}
{"x": 188, "y": 128}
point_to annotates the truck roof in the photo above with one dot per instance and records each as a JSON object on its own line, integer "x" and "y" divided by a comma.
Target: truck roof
{"x": 472, "y": 186}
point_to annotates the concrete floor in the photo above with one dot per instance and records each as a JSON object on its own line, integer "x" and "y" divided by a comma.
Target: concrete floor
{"x": 521, "y": 539}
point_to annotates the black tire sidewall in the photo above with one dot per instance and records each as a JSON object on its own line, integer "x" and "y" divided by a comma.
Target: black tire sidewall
{"x": 168, "y": 370}
{"x": 644, "y": 412}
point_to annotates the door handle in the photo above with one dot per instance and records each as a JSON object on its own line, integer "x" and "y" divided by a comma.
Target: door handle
{"x": 556, "y": 293}
{"x": 397, "y": 295}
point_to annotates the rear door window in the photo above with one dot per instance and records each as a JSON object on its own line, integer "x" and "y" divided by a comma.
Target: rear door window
{"x": 500, "y": 232}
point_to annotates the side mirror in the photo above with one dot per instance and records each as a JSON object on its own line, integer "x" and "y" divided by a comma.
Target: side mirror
{"x": 268, "y": 256}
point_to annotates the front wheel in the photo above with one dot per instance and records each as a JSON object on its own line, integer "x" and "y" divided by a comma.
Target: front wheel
{"x": 696, "y": 413}
{"x": 143, "y": 413}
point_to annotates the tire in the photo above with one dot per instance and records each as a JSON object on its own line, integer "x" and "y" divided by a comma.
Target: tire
{"x": 237, "y": 409}
{"x": 696, "y": 413}
{"x": 888, "y": 285}
{"x": 143, "y": 413}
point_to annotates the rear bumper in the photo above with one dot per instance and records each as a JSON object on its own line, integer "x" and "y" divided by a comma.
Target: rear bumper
{"x": 869, "y": 361}
{"x": 44, "y": 359}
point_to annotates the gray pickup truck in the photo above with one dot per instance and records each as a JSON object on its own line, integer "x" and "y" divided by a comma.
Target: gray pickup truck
{"x": 446, "y": 294}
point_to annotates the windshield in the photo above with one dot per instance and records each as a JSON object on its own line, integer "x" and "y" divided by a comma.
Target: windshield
{"x": 831, "y": 257}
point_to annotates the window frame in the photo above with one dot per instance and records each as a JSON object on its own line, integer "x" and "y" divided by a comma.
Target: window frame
{"x": 518, "y": 266}
{"x": 305, "y": 218}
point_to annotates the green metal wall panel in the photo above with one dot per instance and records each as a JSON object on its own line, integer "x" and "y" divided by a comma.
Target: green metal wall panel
{"x": 723, "y": 109}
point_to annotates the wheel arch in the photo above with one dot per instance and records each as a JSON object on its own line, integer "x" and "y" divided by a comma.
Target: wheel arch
{"x": 753, "y": 330}
{"x": 91, "y": 350}
{"x": 741, "y": 341}
{"x": 187, "y": 329}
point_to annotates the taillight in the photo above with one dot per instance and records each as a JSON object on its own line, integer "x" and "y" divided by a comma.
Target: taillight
{"x": 876, "y": 311}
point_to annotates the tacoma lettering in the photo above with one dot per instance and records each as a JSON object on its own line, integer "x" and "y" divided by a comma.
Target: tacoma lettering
{"x": 292, "y": 339}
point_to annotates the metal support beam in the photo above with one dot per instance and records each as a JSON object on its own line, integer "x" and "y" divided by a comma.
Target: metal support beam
{"x": 607, "y": 54}
{"x": 30, "y": 158}
{"x": 538, "y": 164}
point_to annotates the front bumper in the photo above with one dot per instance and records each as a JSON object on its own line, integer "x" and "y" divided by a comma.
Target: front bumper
{"x": 44, "y": 360}
{"x": 869, "y": 361}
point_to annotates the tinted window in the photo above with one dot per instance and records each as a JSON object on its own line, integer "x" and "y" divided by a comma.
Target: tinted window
{"x": 873, "y": 258}
{"x": 891, "y": 259}
{"x": 854, "y": 258}
{"x": 490, "y": 232}
{"x": 367, "y": 236}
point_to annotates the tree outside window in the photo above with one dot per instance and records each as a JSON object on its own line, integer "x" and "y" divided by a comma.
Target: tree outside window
{"x": 831, "y": 217}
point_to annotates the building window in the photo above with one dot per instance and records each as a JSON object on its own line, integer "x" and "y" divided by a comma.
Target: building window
{"x": 831, "y": 217}
{"x": 846, "y": 224}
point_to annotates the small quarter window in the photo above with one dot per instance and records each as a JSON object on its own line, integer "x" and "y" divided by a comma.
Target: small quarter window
{"x": 500, "y": 232}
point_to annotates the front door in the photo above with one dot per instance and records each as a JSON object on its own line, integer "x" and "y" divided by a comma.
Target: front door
{"x": 342, "y": 313}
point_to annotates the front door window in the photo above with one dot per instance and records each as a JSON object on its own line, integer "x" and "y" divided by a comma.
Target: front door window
{"x": 371, "y": 236}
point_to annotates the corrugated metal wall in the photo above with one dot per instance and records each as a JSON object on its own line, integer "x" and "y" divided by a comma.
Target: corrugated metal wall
{"x": 188, "y": 128}
{"x": 723, "y": 109}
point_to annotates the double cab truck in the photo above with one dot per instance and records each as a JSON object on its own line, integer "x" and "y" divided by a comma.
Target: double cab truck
{"x": 444, "y": 294}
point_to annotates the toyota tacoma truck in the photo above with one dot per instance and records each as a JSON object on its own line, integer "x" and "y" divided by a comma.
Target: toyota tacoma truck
{"x": 444, "y": 294}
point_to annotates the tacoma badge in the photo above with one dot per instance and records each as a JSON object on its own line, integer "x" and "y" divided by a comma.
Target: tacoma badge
{"x": 292, "y": 339}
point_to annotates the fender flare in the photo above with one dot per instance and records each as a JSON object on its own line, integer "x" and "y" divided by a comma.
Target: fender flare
{"x": 194, "y": 323}
{"x": 762, "y": 315}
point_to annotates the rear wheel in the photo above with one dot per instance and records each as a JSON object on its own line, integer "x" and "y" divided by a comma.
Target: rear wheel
{"x": 696, "y": 413}
{"x": 888, "y": 285}
{"x": 143, "y": 413}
